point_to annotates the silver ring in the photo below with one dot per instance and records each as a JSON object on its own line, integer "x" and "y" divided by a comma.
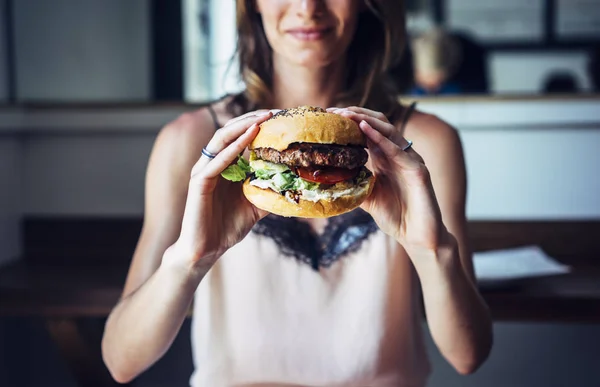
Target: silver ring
{"x": 407, "y": 146}
{"x": 206, "y": 153}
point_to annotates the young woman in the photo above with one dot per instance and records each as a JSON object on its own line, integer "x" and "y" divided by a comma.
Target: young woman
{"x": 262, "y": 314}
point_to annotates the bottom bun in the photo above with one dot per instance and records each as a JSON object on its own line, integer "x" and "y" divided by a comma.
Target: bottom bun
{"x": 275, "y": 203}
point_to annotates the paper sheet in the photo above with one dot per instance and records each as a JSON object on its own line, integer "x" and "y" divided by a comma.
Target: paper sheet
{"x": 516, "y": 263}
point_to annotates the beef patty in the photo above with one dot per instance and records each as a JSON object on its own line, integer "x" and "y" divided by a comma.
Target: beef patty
{"x": 310, "y": 155}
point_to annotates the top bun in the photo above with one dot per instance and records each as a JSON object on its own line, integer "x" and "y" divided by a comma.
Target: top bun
{"x": 307, "y": 124}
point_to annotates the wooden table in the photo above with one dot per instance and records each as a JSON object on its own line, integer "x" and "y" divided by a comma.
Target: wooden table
{"x": 70, "y": 292}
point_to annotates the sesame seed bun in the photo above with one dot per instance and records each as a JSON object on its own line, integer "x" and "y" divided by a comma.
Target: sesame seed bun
{"x": 307, "y": 124}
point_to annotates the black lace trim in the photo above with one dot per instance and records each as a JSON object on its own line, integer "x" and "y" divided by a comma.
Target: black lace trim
{"x": 342, "y": 235}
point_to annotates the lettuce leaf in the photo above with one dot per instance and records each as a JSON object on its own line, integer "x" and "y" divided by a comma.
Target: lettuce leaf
{"x": 301, "y": 184}
{"x": 238, "y": 171}
{"x": 234, "y": 173}
{"x": 279, "y": 176}
{"x": 284, "y": 181}
{"x": 263, "y": 174}
{"x": 243, "y": 164}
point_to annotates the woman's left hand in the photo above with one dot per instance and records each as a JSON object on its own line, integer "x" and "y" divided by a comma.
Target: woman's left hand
{"x": 403, "y": 202}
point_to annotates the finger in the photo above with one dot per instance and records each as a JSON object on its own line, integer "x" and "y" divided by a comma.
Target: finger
{"x": 384, "y": 127}
{"x": 225, "y": 136}
{"x": 390, "y": 149}
{"x": 228, "y": 155}
{"x": 361, "y": 110}
{"x": 257, "y": 113}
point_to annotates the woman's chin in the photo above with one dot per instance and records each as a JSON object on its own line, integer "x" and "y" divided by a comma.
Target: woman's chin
{"x": 314, "y": 60}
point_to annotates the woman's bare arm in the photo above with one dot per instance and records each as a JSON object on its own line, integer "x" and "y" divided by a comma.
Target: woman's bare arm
{"x": 457, "y": 315}
{"x": 188, "y": 226}
{"x": 146, "y": 320}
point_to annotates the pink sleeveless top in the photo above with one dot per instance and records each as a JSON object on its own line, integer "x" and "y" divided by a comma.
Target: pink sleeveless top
{"x": 287, "y": 308}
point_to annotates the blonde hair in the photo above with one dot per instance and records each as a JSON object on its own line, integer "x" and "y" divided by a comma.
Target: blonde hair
{"x": 436, "y": 51}
{"x": 377, "y": 45}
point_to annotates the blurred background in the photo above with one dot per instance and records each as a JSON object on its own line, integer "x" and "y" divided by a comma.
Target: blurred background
{"x": 85, "y": 86}
{"x": 143, "y": 51}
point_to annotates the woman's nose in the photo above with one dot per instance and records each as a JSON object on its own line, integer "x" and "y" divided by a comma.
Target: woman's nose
{"x": 310, "y": 8}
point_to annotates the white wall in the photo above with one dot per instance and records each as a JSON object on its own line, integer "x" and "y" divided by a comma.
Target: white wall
{"x": 526, "y": 72}
{"x": 533, "y": 174}
{"x": 83, "y": 50}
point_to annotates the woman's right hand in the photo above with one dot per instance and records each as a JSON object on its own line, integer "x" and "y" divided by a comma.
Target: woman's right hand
{"x": 217, "y": 215}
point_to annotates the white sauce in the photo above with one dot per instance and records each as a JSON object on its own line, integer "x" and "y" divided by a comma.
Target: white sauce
{"x": 319, "y": 194}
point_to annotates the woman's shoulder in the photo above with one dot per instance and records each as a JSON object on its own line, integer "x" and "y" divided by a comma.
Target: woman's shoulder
{"x": 179, "y": 143}
{"x": 439, "y": 144}
{"x": 431, "y": 134}
{"x": 195, "y": 128}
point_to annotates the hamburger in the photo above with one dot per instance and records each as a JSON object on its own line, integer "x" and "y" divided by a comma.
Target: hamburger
{"x": 306, "y": 162}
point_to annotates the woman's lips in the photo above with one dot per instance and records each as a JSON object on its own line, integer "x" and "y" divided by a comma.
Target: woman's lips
{"x": 309, "y": 34}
